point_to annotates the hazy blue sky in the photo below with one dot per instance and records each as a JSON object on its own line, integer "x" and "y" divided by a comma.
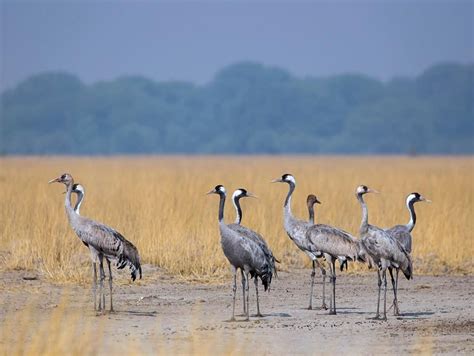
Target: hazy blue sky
{"x": 192, "y": 40}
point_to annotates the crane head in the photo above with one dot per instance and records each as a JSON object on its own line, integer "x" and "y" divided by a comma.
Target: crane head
{"x": 243, "y": 193}
{"x": 285, "y": 178}
{"x": 416, "y": 197}
{"x": 65, "y": 178}
{"x": 363, "y": 189}
{"x": 218, "y": 189}
{"x": 311, "y": 200}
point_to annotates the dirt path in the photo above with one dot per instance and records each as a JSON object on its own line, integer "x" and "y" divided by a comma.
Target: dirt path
{"x": 164, "y": 314}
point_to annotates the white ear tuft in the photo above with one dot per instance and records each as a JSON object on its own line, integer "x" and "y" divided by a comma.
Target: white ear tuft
{"x": 236, "y": 193}
{"x": 410, "y": 198}
{"x": 291, "y": 179}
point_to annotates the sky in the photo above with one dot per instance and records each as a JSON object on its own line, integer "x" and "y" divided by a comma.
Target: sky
{"x": 191, "y": 41}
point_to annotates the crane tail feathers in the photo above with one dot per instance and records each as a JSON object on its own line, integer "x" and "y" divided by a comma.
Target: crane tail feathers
{"x": 130, "y": 258}
{"x": 266, "y": 280}
{"x": 408, "y": 272}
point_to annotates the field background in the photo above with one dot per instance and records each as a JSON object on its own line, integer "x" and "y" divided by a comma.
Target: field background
{"x": 159, "y": 204}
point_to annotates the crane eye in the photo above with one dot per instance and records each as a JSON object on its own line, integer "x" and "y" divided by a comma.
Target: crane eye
{"x": 63, "y": 176}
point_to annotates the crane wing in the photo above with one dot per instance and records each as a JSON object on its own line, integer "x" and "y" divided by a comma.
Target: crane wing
{"x": 381, "y": 245}
{"x": 402, "y": 234}
{"x": 112, "y": 245}
{"x": 333, "y": 241}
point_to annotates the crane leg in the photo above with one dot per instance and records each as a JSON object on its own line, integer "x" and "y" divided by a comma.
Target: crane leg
{"x": 101, "y": 284}
{"x": 384, "y": 274}
{"x": 323, "y": 272}
{"x": 110, "y": 286}
{"x": 396, "y": 311}
{"x": 333, "y": 278}
{"x": 234, "y": 290}
{"x": 377, "y": 315}
{"x": 247, "y": 294}
{"x": 256, "y": 293}
{"x": 313, "y": 273}
{"x": 99, "y": 309}
{"x": 243, "y": 292}
{"x": 94, "y": 284}
{"x": 396, "y": 284}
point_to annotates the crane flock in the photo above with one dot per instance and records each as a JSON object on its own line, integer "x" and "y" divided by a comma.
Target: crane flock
{"x": 246, "y": 250}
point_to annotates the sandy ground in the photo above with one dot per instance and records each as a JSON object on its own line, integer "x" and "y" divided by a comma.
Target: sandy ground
{"x": 162, "y": 313}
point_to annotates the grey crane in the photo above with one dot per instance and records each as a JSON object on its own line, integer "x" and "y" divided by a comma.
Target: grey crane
{"x": 382, "y": 250}
{"x": 102, "y": 241}
{"x": 310, "y": 201}
{"x": 241, "y": 252}
{"x": 403, "y": 234}
{"x": 254, "y": 236}
{"x": 335, "y": 244}
{"x": 79, "y": 190}
{"x": 296, "y": 230}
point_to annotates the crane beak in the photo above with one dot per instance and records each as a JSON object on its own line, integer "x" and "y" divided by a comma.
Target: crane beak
{"x": 422, "y": 198}
{"x": 250, "y": 195}
{"x": 373, "y": 191}
{"x": 317, "y": 201}
{"x": 211, "y": 192}
{"x": 54, "y": 180}
{"x": 278, "y": 180}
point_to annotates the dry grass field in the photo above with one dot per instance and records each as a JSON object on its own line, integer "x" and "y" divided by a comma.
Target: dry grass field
{"x": 159, "y": 203}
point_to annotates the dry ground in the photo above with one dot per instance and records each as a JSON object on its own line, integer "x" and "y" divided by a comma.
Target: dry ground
{"x": 162, "y": 315}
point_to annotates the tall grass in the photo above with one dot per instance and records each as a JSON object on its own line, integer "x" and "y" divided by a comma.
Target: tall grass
{"x": 159, "y": 204}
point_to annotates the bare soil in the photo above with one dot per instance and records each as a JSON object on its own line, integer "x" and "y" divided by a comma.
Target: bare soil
{"x": 163, "y": 313}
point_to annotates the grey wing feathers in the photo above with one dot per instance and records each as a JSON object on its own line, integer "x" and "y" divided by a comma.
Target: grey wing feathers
{"x": 244, "y": 252}
{"x": 402, "y": 234}
{"x": 130, "y": 258}
{"x": 258, "y": 239}
{"x": 382, "y": 246}
{"x": 333, "y": 241}
{"x": 112, "y": 245}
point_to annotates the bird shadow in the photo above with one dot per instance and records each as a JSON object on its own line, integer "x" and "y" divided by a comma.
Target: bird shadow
{"x": 351, "y": 310}
{"x": 279, "y": 315}
{"x": 314, "y": 308}
{"x": 135, "y": 313}
{"x": 254, "y": 317}
{"x": 236, "y": 320}
{"x": 414, "y": 315}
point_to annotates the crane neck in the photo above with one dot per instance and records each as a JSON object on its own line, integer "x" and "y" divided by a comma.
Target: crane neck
{"x": 67, "y": 202}
{"x": 287, "y": 205}
{"x": 221, "y": 207}
{"x": 364, "y": 224}
{"x": 77, "y": 207}
{"x": 311, "y": 213}
{"x": 411, "y": 209}
{"x": 238, "y": 209}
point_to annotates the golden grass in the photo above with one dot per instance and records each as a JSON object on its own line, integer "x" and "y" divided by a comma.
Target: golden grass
{"x": 159, "y": 204}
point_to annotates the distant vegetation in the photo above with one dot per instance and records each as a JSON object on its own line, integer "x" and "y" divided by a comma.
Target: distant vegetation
{"x": 246, "y": 108}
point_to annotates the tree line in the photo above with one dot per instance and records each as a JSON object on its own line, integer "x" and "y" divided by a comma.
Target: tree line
{"x": 247, "y": 108}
